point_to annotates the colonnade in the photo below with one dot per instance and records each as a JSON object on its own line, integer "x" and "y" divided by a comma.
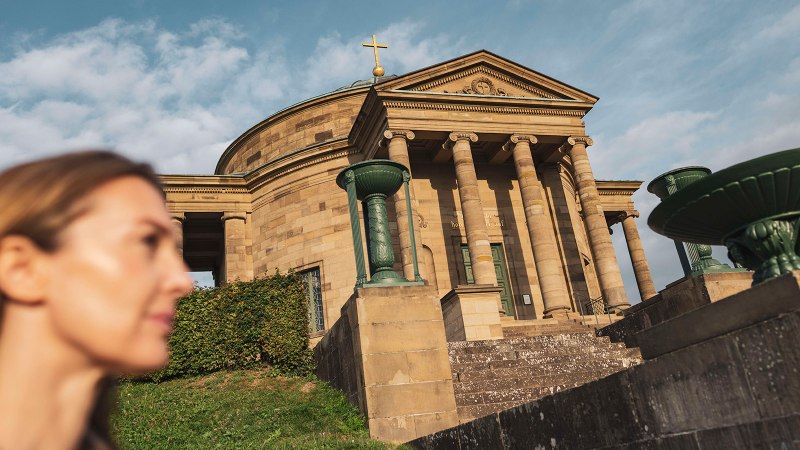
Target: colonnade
{"x": 235, "y": 261}
{"x": 552, "y": 282}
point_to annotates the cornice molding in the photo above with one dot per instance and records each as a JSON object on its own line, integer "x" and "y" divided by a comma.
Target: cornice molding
{"x": 205, "y": 190}
{"x": 625, "y": 192}
{"x": 484, "y": 108}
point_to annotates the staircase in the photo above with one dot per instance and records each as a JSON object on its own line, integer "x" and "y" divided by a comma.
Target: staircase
{"x": 535, "y": 359}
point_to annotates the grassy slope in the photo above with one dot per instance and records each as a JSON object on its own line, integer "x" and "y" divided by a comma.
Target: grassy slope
{"x": 245, "y": 409}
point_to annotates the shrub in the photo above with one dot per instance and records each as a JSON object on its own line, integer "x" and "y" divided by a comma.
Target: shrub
{"x": 239, "y": 325}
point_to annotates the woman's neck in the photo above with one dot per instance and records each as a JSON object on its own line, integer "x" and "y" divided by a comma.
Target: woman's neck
{"x": 47, "y": 387}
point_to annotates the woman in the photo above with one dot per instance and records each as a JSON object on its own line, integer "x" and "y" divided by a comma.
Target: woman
{"x": 89, "y": 277}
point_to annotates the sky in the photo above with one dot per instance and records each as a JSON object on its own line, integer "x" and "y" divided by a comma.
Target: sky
{"x": 680, "y": 83}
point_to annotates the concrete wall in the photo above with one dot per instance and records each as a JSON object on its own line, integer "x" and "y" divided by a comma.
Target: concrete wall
{"x": 737, "y": 389}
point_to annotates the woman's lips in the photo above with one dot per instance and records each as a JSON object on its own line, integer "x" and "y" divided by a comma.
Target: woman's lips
{"x": 164, "y": 320}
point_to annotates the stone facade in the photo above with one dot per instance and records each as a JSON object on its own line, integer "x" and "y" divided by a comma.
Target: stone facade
{"x": 498, "y": 157}
{"x": 510, "y": 226}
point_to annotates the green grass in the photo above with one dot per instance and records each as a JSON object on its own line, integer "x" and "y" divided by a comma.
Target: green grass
{"x": 244, "y": 409}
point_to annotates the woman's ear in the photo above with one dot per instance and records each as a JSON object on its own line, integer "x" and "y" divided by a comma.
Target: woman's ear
{"x": 22, "y": 270}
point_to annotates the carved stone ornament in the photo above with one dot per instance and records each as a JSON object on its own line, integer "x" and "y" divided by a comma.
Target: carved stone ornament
{"x": 483, "y": 86}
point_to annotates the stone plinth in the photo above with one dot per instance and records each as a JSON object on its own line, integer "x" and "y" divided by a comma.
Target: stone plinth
{"x": 727, "y": 315}
{"x": 680, "y": 297}
{"x": 470, "y": 313}
{"x": 388, "y": 352}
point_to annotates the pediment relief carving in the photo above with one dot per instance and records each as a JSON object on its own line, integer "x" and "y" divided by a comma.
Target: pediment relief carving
{"x": 482, "y": 80}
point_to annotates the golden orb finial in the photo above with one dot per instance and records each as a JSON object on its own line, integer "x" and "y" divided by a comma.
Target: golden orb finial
{"x": 377, "y": 71}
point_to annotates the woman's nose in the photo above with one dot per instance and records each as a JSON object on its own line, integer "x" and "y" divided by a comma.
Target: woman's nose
{"x": 180, "y": 283}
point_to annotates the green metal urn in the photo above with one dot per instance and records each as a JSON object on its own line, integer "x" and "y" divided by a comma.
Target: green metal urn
{"x": 753, "y": 208}
{"x": 372, "y": 182}
{"x": 699, "y": 259}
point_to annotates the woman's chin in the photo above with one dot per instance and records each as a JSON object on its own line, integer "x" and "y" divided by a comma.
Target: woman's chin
{"x": 142, "y": 364}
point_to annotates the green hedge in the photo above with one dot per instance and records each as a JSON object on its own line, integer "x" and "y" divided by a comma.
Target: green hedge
{"x": 239, "y": 325}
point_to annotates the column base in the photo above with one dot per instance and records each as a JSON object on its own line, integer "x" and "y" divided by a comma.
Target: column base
{"x": 556, "y": 313}
{"x": 619, "y": 310}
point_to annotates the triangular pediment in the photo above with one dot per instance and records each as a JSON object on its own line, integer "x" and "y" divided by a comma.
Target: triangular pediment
{"x": 484, "y": 73}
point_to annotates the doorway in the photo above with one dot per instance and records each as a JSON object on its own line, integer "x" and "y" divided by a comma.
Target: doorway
{"x": 500, "y": 269}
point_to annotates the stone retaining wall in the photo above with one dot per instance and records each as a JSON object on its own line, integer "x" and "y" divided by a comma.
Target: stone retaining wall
{"x": 739, "y": 389}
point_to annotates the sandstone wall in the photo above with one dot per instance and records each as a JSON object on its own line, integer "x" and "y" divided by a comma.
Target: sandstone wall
{"x": 295, "y": 129}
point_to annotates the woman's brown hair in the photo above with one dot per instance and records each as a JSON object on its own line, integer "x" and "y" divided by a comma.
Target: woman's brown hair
{"x": 40, "y": 198}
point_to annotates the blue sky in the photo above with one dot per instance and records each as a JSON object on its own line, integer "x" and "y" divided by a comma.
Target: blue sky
{"x": 680, "y": 82}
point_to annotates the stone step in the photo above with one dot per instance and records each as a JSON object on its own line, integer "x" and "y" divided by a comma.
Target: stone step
{"x": 589, "y": 350}
{"x": 529, "y": 371}
{"x": 551, "y": 342}
{"x": 507, "y": 395}
{"x": 538, "y": 330}
{"x": 598, "y": 356}
{"x": 541, "y": 381}
{"x": 532, "y": 361}
{"x": 469, "y": 413}
{"x": 529, "y": 341}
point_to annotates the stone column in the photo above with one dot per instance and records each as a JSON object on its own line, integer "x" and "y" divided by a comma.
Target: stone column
{"x": 640, "y": 267}
{"x": 480, "y": 250}
{"x": 599, "y": 237}
{"x": 398, "y": 152}
{"x": 545, "y": 252}
{"x": 235, "y": 246}
{"x": 177, "y": 223}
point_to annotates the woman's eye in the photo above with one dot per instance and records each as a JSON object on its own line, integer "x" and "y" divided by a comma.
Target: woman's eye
{"x": 151, "y": 241}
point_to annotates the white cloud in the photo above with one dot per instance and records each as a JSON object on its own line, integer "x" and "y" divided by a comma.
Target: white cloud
{"x": 171, "y": 97}
{"x": 152, "y": 94}
{"x": 784, "y": 27}
{"x": 337, "y": 61}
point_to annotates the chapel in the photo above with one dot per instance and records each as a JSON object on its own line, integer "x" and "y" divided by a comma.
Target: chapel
{"x": 502, "y": 193}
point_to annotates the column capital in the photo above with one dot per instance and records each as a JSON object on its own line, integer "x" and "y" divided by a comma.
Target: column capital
{"x": 516, "y": 138}
{"x": 234, "y": 215}
{"x": 585, "y": 140}
{"x": 629, "y": 213}
{"x": 461, "y": 136}
{"x": 390, "y": 133}
{"x": 177, "y": 216}
{"x": 523, "y": 137}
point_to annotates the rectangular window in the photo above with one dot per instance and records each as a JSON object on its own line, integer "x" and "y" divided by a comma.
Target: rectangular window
{"x": 311, "y": 277}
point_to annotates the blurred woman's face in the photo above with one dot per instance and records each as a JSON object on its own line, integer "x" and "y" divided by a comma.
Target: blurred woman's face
{"x": 115, "y": 278}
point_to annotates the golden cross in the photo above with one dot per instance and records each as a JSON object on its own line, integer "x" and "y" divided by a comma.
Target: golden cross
{"x": 377, "y": 70}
